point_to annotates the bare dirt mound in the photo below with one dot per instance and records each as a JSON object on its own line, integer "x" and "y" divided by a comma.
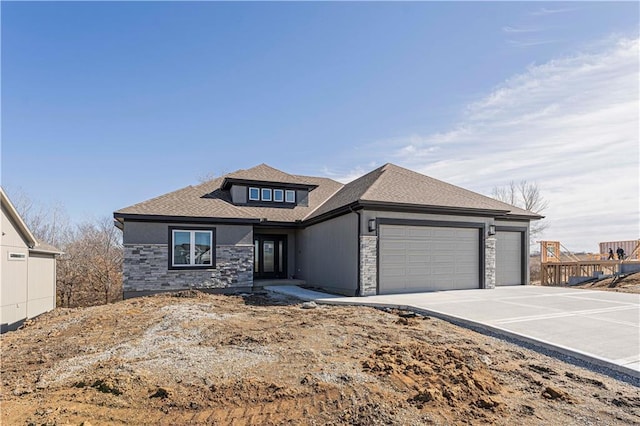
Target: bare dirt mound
{"x": 625, "y": 284}
{"x": 203, "y": 359}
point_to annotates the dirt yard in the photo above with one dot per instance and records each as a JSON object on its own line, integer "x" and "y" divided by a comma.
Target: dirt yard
{"x": 627, "y": 284}
{"x": 193, "y": 358}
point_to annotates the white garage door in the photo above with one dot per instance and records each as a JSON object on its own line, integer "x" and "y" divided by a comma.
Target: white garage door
{"x": 425, "y": 258}
{"x": 508, "y": 258}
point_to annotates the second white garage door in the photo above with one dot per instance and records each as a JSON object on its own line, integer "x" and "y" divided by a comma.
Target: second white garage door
{"x": 426, "y": 258}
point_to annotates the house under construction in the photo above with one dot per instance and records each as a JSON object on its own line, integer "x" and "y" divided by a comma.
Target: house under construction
{"x": 559, "y": 266}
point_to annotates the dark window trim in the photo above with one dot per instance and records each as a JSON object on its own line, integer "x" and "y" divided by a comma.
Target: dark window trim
{"x": 284, "y": 238}
{"x": 189, "y": 267}
{"x": 523, "y": 248}
{"x": 481, "y": 226}
{"x": 261, "y": 202}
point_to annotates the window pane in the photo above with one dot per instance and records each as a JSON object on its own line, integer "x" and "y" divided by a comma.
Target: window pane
{"x": 291, "y": 196}
{"x": 256, "y": 265}
{"x": 278, "y": 195}
{"x": 181, "y": 247}
{"x": 254, "y": 194}
{"x": 202, "y": 248}
{"x": 268, "y": 256}
{"x": 266, "y": 194}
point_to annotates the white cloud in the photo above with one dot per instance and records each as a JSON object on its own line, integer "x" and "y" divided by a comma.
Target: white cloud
{"x": 546, "y": 11}
{"x": 531, "y": 42}
{"x": 571, "y": 125}
{"x": 518, "y": 30}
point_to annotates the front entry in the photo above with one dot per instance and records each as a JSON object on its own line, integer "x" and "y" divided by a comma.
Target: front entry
{"x": 269, "y": 256}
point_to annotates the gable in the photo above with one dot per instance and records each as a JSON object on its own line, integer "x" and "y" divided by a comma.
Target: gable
{"x": 14, "y": 231}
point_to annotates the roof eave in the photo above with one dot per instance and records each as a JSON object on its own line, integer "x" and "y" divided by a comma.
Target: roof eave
{"x": 532, "y": 216}
{"x": 406, "y": 207}
{"x": 431, "y": 208}
{"x": 227, "y": 182}
{"x": 45, "y": 251}
{"x": 133, "y": 217}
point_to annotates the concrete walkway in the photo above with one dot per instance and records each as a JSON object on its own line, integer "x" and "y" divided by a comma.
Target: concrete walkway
{"x": 599, "y": 327}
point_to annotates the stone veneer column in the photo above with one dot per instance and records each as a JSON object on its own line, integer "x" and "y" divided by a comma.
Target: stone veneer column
{"x": 490, "y": 262}
{"x": 146, "y": 268}
{"x": 368, "y": 265}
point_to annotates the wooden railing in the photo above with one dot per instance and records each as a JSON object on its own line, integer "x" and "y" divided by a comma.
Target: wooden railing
{"x": 554, "y": 273}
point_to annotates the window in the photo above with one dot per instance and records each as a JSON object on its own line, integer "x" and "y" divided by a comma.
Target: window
{"x": 271, "y": 195}
{"x": 17, "y": 256}
{"x": 290, "y": 196}
{"x": 191, "y": 248}
{"x": 254, "y": 194}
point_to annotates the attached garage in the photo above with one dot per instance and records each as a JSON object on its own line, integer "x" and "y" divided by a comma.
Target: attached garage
{"x": 509, "y": 258}
{"x": 415, "y": 258}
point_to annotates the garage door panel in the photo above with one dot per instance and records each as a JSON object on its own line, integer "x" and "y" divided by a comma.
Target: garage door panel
{"x": 423, "y": 258}
{"x": 508, "y": 258}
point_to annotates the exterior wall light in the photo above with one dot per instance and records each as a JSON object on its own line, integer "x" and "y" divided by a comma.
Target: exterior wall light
{"x": 492, "y": 230}
{"x": 372, "y": 225}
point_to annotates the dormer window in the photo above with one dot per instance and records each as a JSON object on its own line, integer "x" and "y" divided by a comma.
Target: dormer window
{"x": 290, "y": 196}
{"x": 278, "y": 195}
{"x": 266, "y": 194}
{"x": 254, "y": 194}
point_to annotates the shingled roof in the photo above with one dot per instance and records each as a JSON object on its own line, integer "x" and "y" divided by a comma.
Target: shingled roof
{"x": 389, "y": 185}
{"x": 208, "y": 200}
{"x": 394, "y": 185}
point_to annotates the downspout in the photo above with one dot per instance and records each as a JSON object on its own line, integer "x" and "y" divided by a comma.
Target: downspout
{"x": 357, "y": 212}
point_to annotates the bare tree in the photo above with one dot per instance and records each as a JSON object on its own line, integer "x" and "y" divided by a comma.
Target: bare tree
{"x": 104, "y": 247}
{"x": 90, "y": 269}
{"x": 527, "y": 196}
{"x": 49, "y": 223}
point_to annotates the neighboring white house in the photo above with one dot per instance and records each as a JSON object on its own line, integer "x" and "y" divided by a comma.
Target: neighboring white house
{"x": 27, "y": 271}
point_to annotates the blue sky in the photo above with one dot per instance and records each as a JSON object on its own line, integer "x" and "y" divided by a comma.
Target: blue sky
{"x": 108, "y": 104}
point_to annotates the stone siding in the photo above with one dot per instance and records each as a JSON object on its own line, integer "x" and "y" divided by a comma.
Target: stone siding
{"x": 146, "y": 268}
{"x": 490, "y": 262}
{"x": 368, "y": 265}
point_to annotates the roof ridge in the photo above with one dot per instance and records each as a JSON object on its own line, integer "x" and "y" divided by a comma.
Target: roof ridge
{"x": 325, "y": 201}
{"x": 381, "y": 169}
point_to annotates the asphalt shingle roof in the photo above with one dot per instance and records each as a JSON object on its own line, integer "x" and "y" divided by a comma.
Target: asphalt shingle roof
{"x": 396, "y": 185}
{"x": 389, "y": 184}
{"x": 208, "y": 200}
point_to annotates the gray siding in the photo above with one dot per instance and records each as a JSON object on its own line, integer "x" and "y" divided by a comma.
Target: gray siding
{"x": 327, "y": 254}
{"x": 158, "y": 233}
{"x": 239, "y": 194}
{"x": 302, "y": 197}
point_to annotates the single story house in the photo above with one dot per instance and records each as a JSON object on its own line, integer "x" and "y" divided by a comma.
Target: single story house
{"x": 28, "y": 286}
{"x": 390, "y": 231}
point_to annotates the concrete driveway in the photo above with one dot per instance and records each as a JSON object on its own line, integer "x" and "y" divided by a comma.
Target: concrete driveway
{"x": 599, "y": 327}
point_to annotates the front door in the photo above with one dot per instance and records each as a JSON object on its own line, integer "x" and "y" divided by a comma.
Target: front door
{"x": 269, "y": 256}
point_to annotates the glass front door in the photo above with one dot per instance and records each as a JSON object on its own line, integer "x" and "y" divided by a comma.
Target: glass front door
{"x": 270, "y": 256}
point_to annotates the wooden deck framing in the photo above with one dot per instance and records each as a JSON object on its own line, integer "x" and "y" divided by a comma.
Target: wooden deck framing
{"x": 559, "y": 272}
